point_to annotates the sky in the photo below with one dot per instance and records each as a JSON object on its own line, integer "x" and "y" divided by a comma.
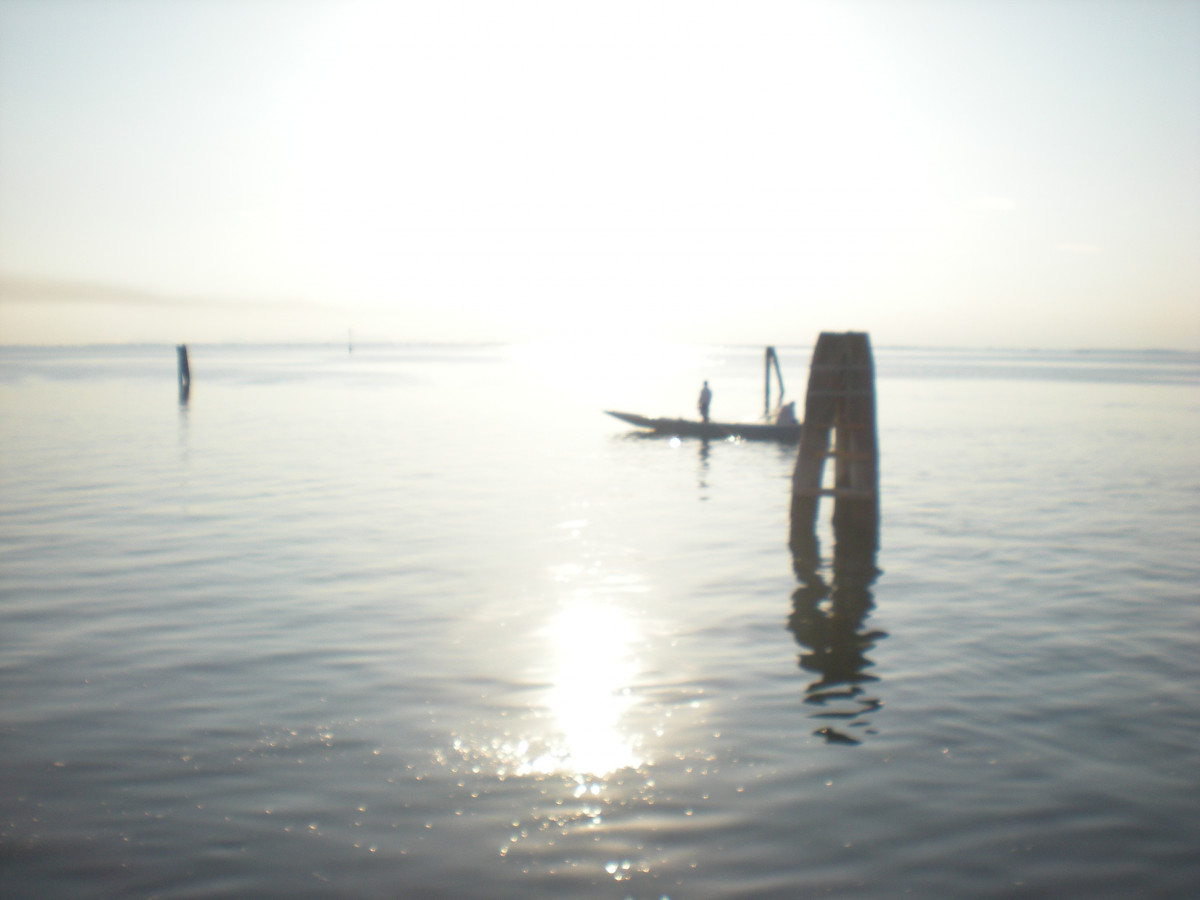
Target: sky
{"x": 971, "y": 173}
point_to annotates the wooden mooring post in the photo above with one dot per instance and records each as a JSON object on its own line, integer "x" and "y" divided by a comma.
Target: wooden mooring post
{"x": 185, "y": 374}
{"x": 839, "y": 422}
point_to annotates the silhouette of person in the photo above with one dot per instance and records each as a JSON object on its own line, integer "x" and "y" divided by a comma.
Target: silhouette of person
{"x": 705, "y": 400}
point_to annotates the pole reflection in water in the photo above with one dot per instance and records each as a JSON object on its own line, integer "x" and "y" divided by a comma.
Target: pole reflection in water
{"x": 828, "y": 619}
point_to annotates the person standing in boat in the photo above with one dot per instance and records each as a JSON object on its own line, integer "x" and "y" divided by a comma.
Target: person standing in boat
{"x": 705, "y": 400}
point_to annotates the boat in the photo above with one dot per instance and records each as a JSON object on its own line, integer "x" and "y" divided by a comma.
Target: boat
{"x": 750, "y": 431}
{"x": 768, "y": 429}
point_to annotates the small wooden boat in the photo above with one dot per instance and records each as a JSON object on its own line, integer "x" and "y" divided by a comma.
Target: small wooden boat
{"x": 751, "y": 431}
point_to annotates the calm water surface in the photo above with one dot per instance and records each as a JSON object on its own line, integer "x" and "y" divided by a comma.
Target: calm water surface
{"x": 422, "y": 622}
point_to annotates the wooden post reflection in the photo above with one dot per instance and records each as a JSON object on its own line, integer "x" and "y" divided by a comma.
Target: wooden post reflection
{"x": 827, "y": 620}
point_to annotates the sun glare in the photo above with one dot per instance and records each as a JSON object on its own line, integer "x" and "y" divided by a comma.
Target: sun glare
{"x": 428, "y": 187}
{"x": 597, "y": 371}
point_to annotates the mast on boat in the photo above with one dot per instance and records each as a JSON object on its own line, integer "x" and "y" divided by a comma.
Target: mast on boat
{"x": 771, "y": 359}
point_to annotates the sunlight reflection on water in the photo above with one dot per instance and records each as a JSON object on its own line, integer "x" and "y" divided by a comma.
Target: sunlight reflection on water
{"x": 594, "y": 671}
{"x": 578, "y": 738}
{"x": 577, "y": 726}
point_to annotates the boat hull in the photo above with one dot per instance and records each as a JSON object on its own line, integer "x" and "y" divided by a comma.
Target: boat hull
{"x": 751, "y": 431}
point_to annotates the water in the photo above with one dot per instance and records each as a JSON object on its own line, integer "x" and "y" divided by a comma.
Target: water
{"x": 421, "y": 622}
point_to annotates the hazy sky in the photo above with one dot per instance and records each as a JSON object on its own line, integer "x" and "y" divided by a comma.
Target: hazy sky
{"x": 1012, "y": 173}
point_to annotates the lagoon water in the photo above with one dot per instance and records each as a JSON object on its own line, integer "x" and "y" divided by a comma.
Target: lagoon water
{"x": 420, "y": 621}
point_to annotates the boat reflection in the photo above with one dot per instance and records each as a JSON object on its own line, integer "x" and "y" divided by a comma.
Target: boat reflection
{"x": 828, "y": 620}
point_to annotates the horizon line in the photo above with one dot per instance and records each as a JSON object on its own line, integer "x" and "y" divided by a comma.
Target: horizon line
{"x": 737, "y": 345}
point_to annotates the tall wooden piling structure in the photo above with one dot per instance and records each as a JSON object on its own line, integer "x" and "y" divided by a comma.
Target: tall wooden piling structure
{"x": 839, "y": 422}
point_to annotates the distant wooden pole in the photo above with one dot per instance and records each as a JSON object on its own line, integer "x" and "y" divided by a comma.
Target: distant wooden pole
{"x": 185, "y": 373}
{"x": 840, "y": 403}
